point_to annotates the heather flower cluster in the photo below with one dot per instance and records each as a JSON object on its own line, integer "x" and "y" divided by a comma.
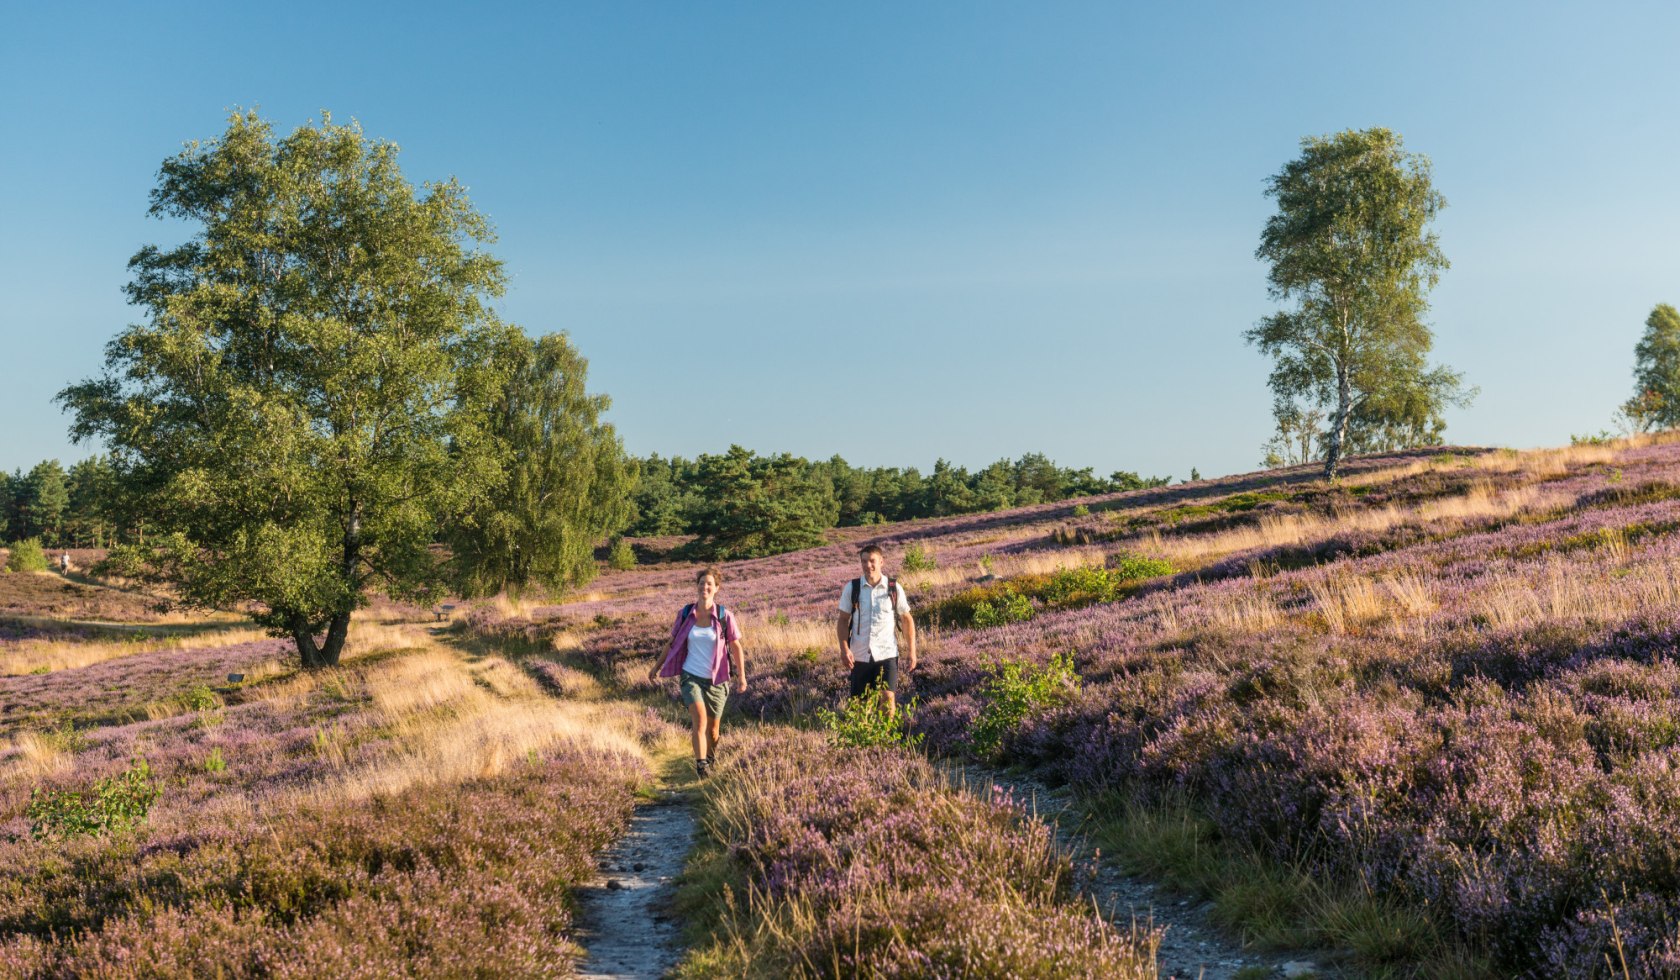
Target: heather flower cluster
{"x": 866, "y": 862}
{"x": 1455, "y": 677}
{"x": 414, "y": 812}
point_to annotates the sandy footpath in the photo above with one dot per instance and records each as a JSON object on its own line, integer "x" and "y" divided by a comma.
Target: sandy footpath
{"x": 624, "y": 923}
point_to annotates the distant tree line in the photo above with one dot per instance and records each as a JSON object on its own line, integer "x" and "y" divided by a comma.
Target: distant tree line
{"x": 741, "y": 503}
{"x": 63, "y": 509}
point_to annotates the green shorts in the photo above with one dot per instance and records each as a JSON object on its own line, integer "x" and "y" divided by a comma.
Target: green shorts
{"x": 699, "y": 690}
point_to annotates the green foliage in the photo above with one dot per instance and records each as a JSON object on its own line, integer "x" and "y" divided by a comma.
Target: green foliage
{"x": 1135, "y": 568}
{"x": 919, "y": 559}
{"x": 565, "y": 483}
{"x": 310, "y": 398}
{"x": 214, "y": 761}
{"x": 1080, "y": 510}
{"x": 1011, "y": 600}
{"x": 864, "y": 721}
{"x": 1350, "y": 247}
{"x": 66, "y": 737}
{"x": 1011, "y": 607}
{"x": 1656, "y": 370}
{"x": 669, "y": 498}
{"x": 26, "y": 556}
{"x": 1013, "y": 690}
{"x": 201, "y": 698}
{"x": 114, "y": 805}
{"x": 621, "y": 556}
{"x": 754, "y": 505}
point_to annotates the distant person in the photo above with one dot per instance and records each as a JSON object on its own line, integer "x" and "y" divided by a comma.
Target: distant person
{"x": 873, "y": 611}
{"x": 704, "y": 641}
{"x": 64, "y": 562}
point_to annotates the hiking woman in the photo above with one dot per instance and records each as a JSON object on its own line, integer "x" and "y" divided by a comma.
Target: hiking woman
{"x": 704, "y": 641}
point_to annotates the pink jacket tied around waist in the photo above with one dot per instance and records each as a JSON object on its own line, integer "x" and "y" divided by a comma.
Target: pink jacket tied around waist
{"x": 678, "y": 652}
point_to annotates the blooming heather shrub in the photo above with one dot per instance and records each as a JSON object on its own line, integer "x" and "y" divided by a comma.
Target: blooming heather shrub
{"x": 466, "y": 880}
{"x": 26, "y": 556}
{"x": 1011, "y": 691}
{"x": 865, "y": 862}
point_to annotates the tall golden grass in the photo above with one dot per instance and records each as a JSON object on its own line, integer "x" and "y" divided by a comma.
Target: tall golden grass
{"x": 33, "y": 657}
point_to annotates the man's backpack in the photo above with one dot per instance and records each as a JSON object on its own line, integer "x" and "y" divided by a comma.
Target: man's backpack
{"x": 892, "y": 595}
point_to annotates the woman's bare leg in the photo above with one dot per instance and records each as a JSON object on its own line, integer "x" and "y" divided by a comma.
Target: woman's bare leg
{"x": 701, "y": 743}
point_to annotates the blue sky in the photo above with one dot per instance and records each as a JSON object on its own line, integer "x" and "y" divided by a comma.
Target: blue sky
{"x": 1004, "y": 227}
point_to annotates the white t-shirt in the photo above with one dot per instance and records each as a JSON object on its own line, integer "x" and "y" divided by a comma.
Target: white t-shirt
{"x": 873, "y": 637}
{"x": 702, "y": 649}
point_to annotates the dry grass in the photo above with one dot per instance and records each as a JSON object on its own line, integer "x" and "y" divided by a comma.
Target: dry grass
{"x": 1243, "y": 614}
{"x": 1347, "y": 602}
{"x": 443, "y": 718}
{"x": 1574, "y": 593}
{"x": 1480, "y": 501}
{"x": 46, "y": 656}
{"x": 33, "y": 756}
{"x": 789, "y": 636}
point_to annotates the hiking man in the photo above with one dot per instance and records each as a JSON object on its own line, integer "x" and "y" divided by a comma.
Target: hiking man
{"x": 873, "y": 610}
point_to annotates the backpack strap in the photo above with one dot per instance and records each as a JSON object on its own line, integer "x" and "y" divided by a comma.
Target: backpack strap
{"x": 857, "y": 590}
{"x": 892, "y": 601}
{"x": 683, "y": 615}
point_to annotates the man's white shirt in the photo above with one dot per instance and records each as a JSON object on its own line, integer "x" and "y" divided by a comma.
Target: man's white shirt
{"x": 872, "y": 636}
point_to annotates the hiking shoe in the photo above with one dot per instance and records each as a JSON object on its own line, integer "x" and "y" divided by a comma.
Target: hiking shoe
{"x": 702, "y": 768}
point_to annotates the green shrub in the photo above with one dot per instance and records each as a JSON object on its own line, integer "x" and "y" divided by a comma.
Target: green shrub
{"x": 27, "y": 556}
{"x": 1080, "y": 510}
{"x": 201, "y": 698}
{"x": 114, "y": 805}
{"x": 1013, "y": 690}
{"x": 1081, "y": 587}
{"x": 214, "y": 761}
{"x": 919, "y": 559}
{"x": 863, "y": 722}
{"x": 1134, "y": 568}
{"x": 1011, "y": 608}
{"x": 620, "y": 555}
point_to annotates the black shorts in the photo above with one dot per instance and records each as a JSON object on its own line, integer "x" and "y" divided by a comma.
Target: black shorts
{"x": 867, "y": 672}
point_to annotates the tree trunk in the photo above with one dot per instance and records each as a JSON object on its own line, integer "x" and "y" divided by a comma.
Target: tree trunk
{"x": 325, "y": 654}
{"x": 1338, "y": 428}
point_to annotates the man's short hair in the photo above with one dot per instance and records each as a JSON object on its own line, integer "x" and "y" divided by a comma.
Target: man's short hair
{"x": 871, "y": 549}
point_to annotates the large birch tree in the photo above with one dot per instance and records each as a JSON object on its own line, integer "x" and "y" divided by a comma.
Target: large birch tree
{"x": 312, "y": 395}
{"x": 1351, "y": 250}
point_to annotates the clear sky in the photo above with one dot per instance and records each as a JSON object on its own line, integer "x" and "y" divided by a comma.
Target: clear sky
{"x": 898, "y": 230}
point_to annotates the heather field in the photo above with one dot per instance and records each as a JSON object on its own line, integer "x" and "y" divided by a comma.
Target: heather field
{"x": 1428, "y": 718}
{"x": 1447, "y": 684}
{"x": 423, "y": 810}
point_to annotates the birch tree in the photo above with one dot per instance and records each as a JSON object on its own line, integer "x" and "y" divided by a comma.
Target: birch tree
{"x": 1351, "y": 251}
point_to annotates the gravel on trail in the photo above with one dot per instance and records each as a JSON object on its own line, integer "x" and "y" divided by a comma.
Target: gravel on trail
{"x": 624, "y": 916}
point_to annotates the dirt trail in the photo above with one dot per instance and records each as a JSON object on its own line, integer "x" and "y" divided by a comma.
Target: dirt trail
{"x": 623, "y": 915}
{"x": 1192, "y": 947}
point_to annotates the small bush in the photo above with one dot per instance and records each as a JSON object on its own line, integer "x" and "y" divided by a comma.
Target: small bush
{"x": 27, "y": 556}
{"x": 1012, "y": 691}
{"x": 114, "y": 805}
{"x": 863, "y": 722}
{"x": 1133, "y": 568}
{"x": 1080, "y": 510}
{"x": 1011, "y": 608}
{"x": 214, "y": 761}
{"x": 621, "y": 556}
{"x": 201, "y": 698}
{"x": 919, "y": 559}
